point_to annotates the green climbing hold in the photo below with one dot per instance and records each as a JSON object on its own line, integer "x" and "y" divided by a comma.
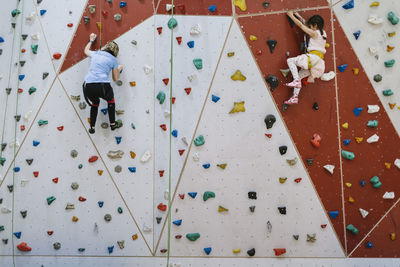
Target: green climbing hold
{"x": 15, "y": 12}
{"x": 376, "y": 183}
{"x": 34, "y": 48}
{"x": 193, "y": 236}
{"x": 1, "y": 227}
{"x": 393, "y": 18}
{"x": 207, "y": 195}
{"x": 172, "y": 23}
{"x": 32, "y": 90}
{"x": 161, "y": 97}
{"x": 352, "y": 229}
{"x": 43, "y": 122}
{"x": 198, "y": 63}
{"x": 348, "y": 155}
{"x": 50, "y": 200}
{"x": 119, "y": 210}
{"x": 2, "y": 160}
{"x": 199, "y": 140}
{"x": 373, "y": 123}
{"x": 387, "y": 92}
{"x": 389, "y": 63}
{"x": 80, "y": 166}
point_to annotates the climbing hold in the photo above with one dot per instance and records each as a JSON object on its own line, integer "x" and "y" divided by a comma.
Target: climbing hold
{"x": 81, "y": 199}
{"x": 364, "y": 213}
{"x": 349, "y": 5}
{"x": 346, "y": 142}
{"x": 392, "y": 18}
{"x": 388, "y": 195}
{"x": 285, "y": 72}
{"x": 75, "y": 219}
{"x": 212, "y": 8}
{"x": 357, "y": 111}
{"x": 23, "y": 246}
{"x": 291, "y": 162}
{"x": 115, "y": 154}
{"x": 207, "y": 195}
{"x": 193, "y": 236}
{"x": 389, "y": 48}
{"x": 122, "y": 4}
{"x": 373, "y": 109}
{"x": 389, "y": 63}
{"x": 315, "y": 106}
{"x": 55, "y": 180}
{"x": 348, "y": 155}
{"x": 93, "y": 158}
{"x": 296, "y": 237}
{"x": 135, "y": 236}
{"x": 373, "y": 139}
{"x": 333, "y": 214}
{"x": 110, "y": 249}
{"x": 177, "y": 222}
{"x": 397, "y": 163}
{"x": 377, "y": 78}
{"x": 117, "y": 17}
{"x": 252, "y": 208}
{"x": 222, "y": 166}
{"x": 18, "y": 235}
{"x": 181, "y": 151}
{"x": 172, "y": 23}
{"x": 29, "y": 161}
{"x": 118, "y": 169}
{"x": 375, "y": 182}
{"x": 50, "y": 200}
{"x": 42, "y": 12}
{"x": 311, "y": 238}
{"x": 107, "y": 217}
{"x": 356, "y": 35}
{"x": 282, "y": 180}
{"x": 252, "y": 195}
{"x": 297, "y": 180}
{"x": 369, "y": 244}
{"x": 215, "y": 98}
{"x": 188, "y": 90}
{"x": 238, "y": 76}
{"x": 342, "y": 68}
{"x": 207, "y": 250}
{"x": 198, "y": 141}
{"x": 372, "y": 123}
{"x": 118, "y": 139}
{"x": 352, "y": 229}
{"x": 315, "y": 141}
{"x": 161, "y": 97}
{"x": 391, "y": 34}
{"x": 329, "y": 168}
{"x": 272, "y": 44}
{"x": 100, "y": 203}
{"x": 374, "y": 4}
{"x": 222, "y": 209}
{"x": 34, "y": 48}
{"x": 253, "y": 38}
{"x": 198, "y": 63}
{"x": 206, "y": 165}
{"x": 374, "y": 19}
{"x": 273, "y": 82}
{"x": 162, "y": 207}
{"x": 387, "y": 92}
{"x": 121, "y": 244}
{"x": 269, "y": 121}
{"x": 192, "y": 194}
{"x": 282, "y": 210}
{"x": 56, "y": 245}
{"x": 279, "y": 251}
{"x": 236, "y": 251}
{"x": 362, "y": 183}
{"x": 174, "y": 133}
{"x": 119, "y": 210}
{"x": 238, "y": 107}
{"x": 359, "y": 139}
{"x": 92, "y": 9}
{"x": 282, "y": 150}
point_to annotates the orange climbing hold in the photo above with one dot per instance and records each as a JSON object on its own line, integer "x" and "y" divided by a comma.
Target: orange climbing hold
{"x": 162, "y": 207}
{"x": 351, "y": 200}
{"x": 75, "y": 219}
{"x": 55, "y": 180}
{"x": 279, "y": 251}
{"x": 93, "y": 158}
{"x": 356, "y": 71}
{"x": 24, "y": 247}
{"x": 133, "y": 83}
{"x": 133, "y": 154}
{"x": 22, "y": 127}
{"x": 393, "y": 236}
{"x": 99, "y": 25}
{"x": 188, "y": 90}
{"x": 392, "y": 105}
{"x": 135, "y": 236}
{"x": 389, "y": 48}
{"x": 57, "y": 55}
{"x": 388, "y": 165}
{"x": 316, "y": 139}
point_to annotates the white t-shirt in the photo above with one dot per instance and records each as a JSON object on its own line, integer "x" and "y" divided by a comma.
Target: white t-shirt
{"x": 318, "y": 43}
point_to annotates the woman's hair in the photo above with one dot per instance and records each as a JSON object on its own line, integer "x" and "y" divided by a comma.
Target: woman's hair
{"x": 319, "y": 21}
{"x": 112, "y": 48}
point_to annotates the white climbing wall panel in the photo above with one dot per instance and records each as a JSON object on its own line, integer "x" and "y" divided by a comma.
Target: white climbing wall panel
{"x": 375, "y": 36}
{"x": 239, "y": 141}
{"x": 186, "y": 110}
{"x": 52, "y": 160}
{"x": 138, "y": 105}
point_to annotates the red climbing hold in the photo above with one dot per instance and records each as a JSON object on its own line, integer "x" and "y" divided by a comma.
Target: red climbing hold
{"x": 164, "y": 250}
{"x": 105, "y": 13}
{"x": 315, "y": 141}
{"x": 181, "y": 151}
{"x": 173, "y": 100}
{"x": 82, "y": 199}
{"x": 179, "y": 39}
{"x": 304, "y": 81}
{"x": 178, "y": 236}
{"x": 323, "y": 226}
{"x": 268, "y": 135}
{"x": 55, "y": 180}
{"x": 279, "y": 251}
{"x": 259, "y": 52}
{"x": 166, "y": 81}
{"x": 162, "y": 207}
{"x": 163, "y": 126}
{"x": 24, "y": 247}
{"x": 297, "y": 180}
{"x": 50, "y": 232}
{"x": 22, "y": 127}
{"x": 70, "y": 25}
{"x": 159, "y": 29}
{"x": 23, "y": 50}
{"x": 161, "y": 172}
{"x": 60, "y": 128}
{"x": 20, "y": 90}
{"x": 93, "y": 158}
{"x": 57, "y": 55}
{"x": 182, "y": 8}
{"x": 188, "y": 90}
{"x": 182, "y": 196}
{"x": 36, "y": 174}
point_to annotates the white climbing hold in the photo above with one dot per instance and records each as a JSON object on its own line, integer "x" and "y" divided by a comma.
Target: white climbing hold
{"x": 5, "y": 210}
{"x": 373, "y": 139}
{"x": 388, "y": 195}
{"x": 373, "y": 50}
{"x": 195, "y": 30}
{"x": 192, "y": 78}
{"x": 31, "y": 17}
{"x": 328, "y": 76}
{"x": 146, "y": 156}
{"x": 374, "y": 19}
{"x": 28, "y": 115}
{"x": 166, "y": 113}
{"x": 364, "y": 213}
{"x": 14, "y": 144}
{"x": 168, "y": 7}
{"x": 184, "y": 140}
{"x": 166, "y": 194}
{"x": 373, "y": 108}
{"x": 196, "y": 156}
{"x": 329, "y": 168}
{"x": 35, "y": 36}
{"x": 24, "y": 182}
{"x": 397, "y": 163}
{"x": 146, "y": 229}
{"x": 147, "y": 69}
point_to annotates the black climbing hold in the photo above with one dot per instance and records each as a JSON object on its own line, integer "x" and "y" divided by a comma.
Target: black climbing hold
{"x": 1, "y": 201}
{"x": 158, "y": 219}
{"x": 273, "y": 82}
{"x": 251, "y": 252}
{"x": 252, "y": 195}
{"x": 107, "y": 217}
{"x": 271, "y": 44}
{"x": 296, "y": 237}
{"x": 252, "y": 208}
{"x": 39, "y": 1}
{"x": 285, "y": 107}
{"x": 8, "y": 91}
{"x": 315, "y": 106}
{"x": 74, "y": 186}
{"x": 3, "y": 146}
{"x": 310, "y": 161}
{"x": 13, "y": 24}
{"x": 86, "y": 19}
{"x": 44, "y": 75}
{"x": 24, "y": 36}
{"x": 82, "y": 105}
{"x": 282, "y": 150}
{"x": 269, "y": 121}
{"x": 291, "y": 22}
{"x": 265, "y": 5}
{"x": 17, "y": 117}
{"x": 5, "y": 241}
{"x": 2, "y": 160}
{"x": 57, "y": 245}
{"x": 10, "y": 188}
{"x": 22, "y": 63}
{"x": 282, "y": 210}
{"x": 24, "y": 213}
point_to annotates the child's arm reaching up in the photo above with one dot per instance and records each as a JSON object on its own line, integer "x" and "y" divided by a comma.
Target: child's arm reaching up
{"x": 301, "y": 25}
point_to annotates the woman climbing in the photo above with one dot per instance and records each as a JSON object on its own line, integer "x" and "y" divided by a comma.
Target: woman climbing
{"x": 311, "y": 63}
{"x": 97, "y": 82}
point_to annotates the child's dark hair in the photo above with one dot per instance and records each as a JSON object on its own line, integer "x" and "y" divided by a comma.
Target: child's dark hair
{"x": 319, "y": 21}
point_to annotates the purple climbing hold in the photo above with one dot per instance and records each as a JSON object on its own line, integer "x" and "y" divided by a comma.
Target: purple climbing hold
{"x": 349, "y": 5}
{"x": 122, "y": 4}
{"x": 357, "y": 34}
{"x": 357, "y": 111}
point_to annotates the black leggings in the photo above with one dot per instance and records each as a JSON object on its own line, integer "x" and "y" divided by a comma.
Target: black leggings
{"x": 95, "y": 91}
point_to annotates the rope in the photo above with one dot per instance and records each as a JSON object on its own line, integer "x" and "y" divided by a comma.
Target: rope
{"x": 170, "y": 136}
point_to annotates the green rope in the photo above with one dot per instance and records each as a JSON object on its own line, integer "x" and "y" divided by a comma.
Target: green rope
{"x": 170, "y": 136}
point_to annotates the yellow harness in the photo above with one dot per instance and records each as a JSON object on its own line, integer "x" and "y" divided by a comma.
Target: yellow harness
{"x": 314, "y": 52}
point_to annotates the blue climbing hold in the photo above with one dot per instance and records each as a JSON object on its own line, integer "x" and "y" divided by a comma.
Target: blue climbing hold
{"x": 18, "y": 235}
{"x": 21, "y": 77}
{"x": 369, "y": 244}
{"x": 362, "y": 183}
{"x": 333, "y": 214}
{"x": 177, "y": 222}
{"x": 349, "y": 5}
{"x": 357, "y": 111}
{"x": 104, "y": 110}
{"x": 357, "y": 34}
{"x": 190, "y": 44}
{"x": 1, "y": 39}
{"x": 122, "y": 4}
{"x": 215, "y": 98}
{"x": 35, "y": 143}
{"x": 207, "y": 250}
{"x": 212, "y": 8}
{"x": 101, "y": 203}
{"x": 341, "y": 68}
{"x": 42, "y": 12}
{"x": 17, "y": 169}
{"x": 110, "y": 249}
{"x": 192, "y": 194}
{"x": 118, "y": 139}
{"x": 346, "y": 142}
{"x": 174, "y": 133}
{"x": 132, "y": 169}
{"x": 206, "y": 165}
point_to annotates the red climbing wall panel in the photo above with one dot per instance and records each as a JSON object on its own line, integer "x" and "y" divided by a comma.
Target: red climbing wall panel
{"x": 384, "y": 246}
{"x": 191, "y": 7}
{"x": 132, "y": 14}
{"x": 302, "y": 120}
{"x": 256, "y": 6}
{"x": 356, "y": 91}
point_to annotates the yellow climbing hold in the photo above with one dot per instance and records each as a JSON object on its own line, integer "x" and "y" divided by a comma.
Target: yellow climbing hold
{"x": 238, "y": 76}
{"x": 238, "y": 107}
{"x": 376, "y": 3}
{"x": 345, "y": 125}
{"x": 282, "y": 180}
{"x": 222, "y": 166}
{"x": 231, "y": 54}
{"x": 236, "y": 250}
{"x": 391, "y": 105}
{"x": 88, "y": 120}
{"x": 99, "y": 25}
{"x": 359, "y": 139}
{"x": 240, "y": 4}
{"x": 391, "y": 34}
{"x": 135, "y": 236}
{"x": 253, "y": 38}
{"x": 351, "y": 200}
{"x": 133, "y": 154}
{"x": 388, "y": 165}
{"x": 393, "y": 236}
{"x": 100, "y": 172}
{"x": 133, "y": 83}
{"x": 222, "y": 209}
{"x": 75, "y": 219}
{"x": 356, "y": 71}
{"x": 348, "y": 185}
{"x": 327, "y": 45}
{"x": 389, "y": 48}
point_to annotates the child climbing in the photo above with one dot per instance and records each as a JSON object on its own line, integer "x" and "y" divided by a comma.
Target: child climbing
{"x": 312, "y": 63}
{"x": 97, "y": 82}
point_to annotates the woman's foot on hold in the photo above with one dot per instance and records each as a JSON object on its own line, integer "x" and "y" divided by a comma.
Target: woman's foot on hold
{"x": 295, "y": 83}
{"x": 292, "y": 100}
{"x": 91, "y": 130}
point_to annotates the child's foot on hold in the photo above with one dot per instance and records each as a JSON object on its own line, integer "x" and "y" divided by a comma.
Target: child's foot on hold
{"x": 115, "y": 125}
{"x": 295, "y": 83}
{"x": 292, "y": 100}
{"x": 91, "y": 130}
